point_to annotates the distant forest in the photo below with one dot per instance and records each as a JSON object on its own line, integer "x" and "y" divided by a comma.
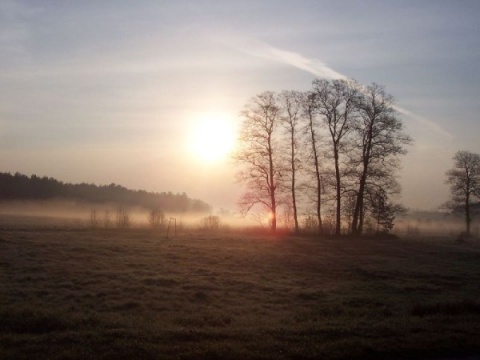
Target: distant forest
{"x": 22, "y": 187}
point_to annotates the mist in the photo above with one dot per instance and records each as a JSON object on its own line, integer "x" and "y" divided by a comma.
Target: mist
{"x": 61, "y": 212}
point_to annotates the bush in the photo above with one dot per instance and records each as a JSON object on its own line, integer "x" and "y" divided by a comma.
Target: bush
{"x": 310, "y": 225}
{"x": 123, "y": 219}
{"x": 211, "y": 222}
{"x": 156, "y": 218}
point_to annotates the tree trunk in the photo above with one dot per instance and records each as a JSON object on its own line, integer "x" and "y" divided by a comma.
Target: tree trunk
{"x": 295, "y": 215}
{"x": 338, "y": 192}
{"x": 468, "y": 218}
{"x": 317, "y": 176}
{"x": 271, "y": 185}
{"x": 294, "y": 201}
{"x": 274, "y": 214}
{"x": 357, "y": 222}
{"x": 319, "y": 199}
{"x": 361, "y": 218}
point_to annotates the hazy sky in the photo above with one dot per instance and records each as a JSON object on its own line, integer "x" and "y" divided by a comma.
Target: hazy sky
{"x": 108, "y": 91}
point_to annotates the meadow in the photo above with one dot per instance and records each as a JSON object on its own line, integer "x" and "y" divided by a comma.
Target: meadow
{"x": 69, "y": 292}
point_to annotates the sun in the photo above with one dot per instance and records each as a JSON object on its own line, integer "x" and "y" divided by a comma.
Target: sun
{"x": 212, "y": 137}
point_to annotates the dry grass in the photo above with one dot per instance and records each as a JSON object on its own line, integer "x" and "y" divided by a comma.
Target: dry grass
{"x": 84, "y": 294}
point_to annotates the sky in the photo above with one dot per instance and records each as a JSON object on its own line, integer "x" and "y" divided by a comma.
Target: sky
{"x": 112, "y": 91}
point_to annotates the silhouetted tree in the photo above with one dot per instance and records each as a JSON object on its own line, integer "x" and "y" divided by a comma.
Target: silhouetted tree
{"x": 291, "y": 104}
{"x": 379, "y": 140}
{"x": 107, "y": 220}
{"x": 350, "y": 148}
{"x": 211, "y": 222}
{"x": 464, "y": 181}
{"x": 383, "y": 211}
{"x": 156, "y": 218}
{"x": 310, "y": 224}
{"x": 335, "y": 102}
{"x": 312, "y": 143}
{"x": 122, "y": 218}
{"x": 258, "y": 154}
{"x": 94, "y": 222}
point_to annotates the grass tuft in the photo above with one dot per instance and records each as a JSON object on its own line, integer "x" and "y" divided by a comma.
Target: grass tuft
{"x": 452, "y": 308}
{"x": 32, "y": 322}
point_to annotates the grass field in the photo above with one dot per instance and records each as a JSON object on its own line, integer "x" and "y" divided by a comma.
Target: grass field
{"x": 72, "y": 293}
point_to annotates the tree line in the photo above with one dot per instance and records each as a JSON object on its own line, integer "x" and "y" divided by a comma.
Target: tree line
{"x": 22, "y": 187}
{"x": 329, "y": 155}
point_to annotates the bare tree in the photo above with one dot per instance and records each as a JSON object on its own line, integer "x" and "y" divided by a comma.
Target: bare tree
{"x": 107, "y": 220}
{"x": 258, "y": 153}
{"x": 464, "y": 181}
{"x": 381, "y": 187}
{"x": 312, "y": 142}
{"x": 335, "y": 102}
{"x": 122, "y": 218}
{"x": 291, "y": 104}
{"x": 211, "y": 223}
{"x": 383, "y": 211}
{"x": 379, "y": 141}
{"x": 156, "y": 218}
{"x": 352, "y": 140}
{"x": 94, "y": 222}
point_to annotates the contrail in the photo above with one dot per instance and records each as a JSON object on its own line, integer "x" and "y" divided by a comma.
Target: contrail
{"x": 262, "y": 50}
{"x": 299, "y": 61}
{"x": 429, "y": 123}
{"x": 318, "y": 68}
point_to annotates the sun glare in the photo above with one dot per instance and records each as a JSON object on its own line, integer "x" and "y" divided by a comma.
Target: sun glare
{"x": 212, "y": 137}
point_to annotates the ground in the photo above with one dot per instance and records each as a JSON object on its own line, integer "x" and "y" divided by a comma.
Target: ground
{"x": 75, "y": 293}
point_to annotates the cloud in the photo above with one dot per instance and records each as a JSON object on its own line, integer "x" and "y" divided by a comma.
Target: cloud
{"x": 262, "y": 50}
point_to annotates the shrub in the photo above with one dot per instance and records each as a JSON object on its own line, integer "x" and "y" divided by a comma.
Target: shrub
{"x": 156, "y": 218}
{"x": 123, "y": 219}
{"x": 211, "y": 222}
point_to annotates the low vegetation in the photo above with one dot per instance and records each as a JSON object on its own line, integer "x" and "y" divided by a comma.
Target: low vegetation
{"x": 78, "y": 293}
